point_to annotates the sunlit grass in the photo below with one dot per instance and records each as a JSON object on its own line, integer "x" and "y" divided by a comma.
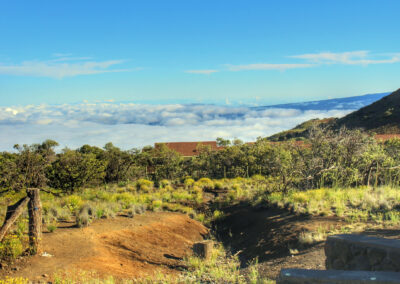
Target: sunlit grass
{"x": 361, "y": 204}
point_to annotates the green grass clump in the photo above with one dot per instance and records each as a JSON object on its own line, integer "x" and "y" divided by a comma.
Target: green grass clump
{"x": 144, "y": 185}
{"x": 205, "y": 183}
{"x": 361, "y": 204}
{"x": 156, "y": 205}
{"x": 189, "y": 182}
{"x": 52, "y": 227}
{"x": 73, "y": 203}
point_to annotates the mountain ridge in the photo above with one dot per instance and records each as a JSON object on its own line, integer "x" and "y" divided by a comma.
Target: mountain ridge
{"x": 381, "y": 117}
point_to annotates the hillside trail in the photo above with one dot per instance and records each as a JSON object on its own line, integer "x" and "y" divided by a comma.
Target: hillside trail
{"x": 125, "y": 248}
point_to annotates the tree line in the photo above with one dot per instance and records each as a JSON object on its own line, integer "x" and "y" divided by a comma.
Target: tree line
{"x": 326, "y": 158}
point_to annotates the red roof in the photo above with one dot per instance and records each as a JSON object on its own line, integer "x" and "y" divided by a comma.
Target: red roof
{"x": 188, "y": 149}
{"x": 384, "y": 137}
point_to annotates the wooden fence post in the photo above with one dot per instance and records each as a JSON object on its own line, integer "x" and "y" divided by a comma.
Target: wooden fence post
{"x": 13, "y": 212}
{"x": 203, "y": 249}
{"x": 35, "y": 220}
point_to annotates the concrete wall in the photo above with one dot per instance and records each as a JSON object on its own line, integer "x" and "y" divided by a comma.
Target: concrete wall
{"x": 359, "y": 252}
{"x": 303, "y": 276}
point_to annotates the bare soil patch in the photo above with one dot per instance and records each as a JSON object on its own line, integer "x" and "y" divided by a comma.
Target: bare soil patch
{"x": 125, "y": 248}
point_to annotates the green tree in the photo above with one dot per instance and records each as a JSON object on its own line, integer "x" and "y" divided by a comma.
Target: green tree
{"x": 32, "y": 163}
{"x": 73, "y": 170}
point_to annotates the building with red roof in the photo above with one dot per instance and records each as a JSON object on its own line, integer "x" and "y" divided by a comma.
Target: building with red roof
{"x": 189, "y": 149}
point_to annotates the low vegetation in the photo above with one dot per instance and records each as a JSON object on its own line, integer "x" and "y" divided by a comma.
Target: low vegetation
{"x": 346, "y": 175}
{"x": 363, "y": 204}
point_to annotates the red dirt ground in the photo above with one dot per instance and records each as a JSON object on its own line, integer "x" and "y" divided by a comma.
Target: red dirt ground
{"x": 122, "y": 247}
{"x": 156, "y": 242}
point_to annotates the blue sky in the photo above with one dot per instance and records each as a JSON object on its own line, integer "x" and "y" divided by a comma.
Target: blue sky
{"x": 139, "y": 72}
{"x": 57, "y": 52}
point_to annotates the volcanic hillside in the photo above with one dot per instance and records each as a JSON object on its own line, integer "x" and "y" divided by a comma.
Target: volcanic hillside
{"x": 382, "y": 117}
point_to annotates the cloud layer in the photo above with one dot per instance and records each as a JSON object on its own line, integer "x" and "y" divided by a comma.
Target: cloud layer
{"x": 132, "y": 125}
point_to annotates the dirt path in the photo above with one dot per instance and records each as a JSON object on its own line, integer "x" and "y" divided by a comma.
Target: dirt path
{"x": 122, "y": 247}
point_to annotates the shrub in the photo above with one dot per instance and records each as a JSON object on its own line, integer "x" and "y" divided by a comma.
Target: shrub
{"x": 51, "y": 227}
{"x": 217, "y": 215}
{"x": 218, "y": 185}
{"x": 164, "y": 183}
{"x": 156, "y": 205}
{"x": 140, "y": 208}
{"x": 63, "y": 214}
{"x": 73, "y": 203}
{"x": 88, "y": 208}
{"x": 196, "y": 189}
{"x": 108, "y": 212}
{"x": 11, "y": 247}
{"x": 144, "y": 185}
{"x": 189, "y": 182}
{"x": 125, "y": 199}
{"x": 200, "y": 217}
{"x": 136, "y": 209}
{"x": 205, "y": 183}
{"x": 258, "y": 178}
{"x": 83, "y": 219}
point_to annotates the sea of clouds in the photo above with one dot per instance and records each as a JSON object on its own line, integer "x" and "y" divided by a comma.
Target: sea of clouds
{"x": 130, "y": 125}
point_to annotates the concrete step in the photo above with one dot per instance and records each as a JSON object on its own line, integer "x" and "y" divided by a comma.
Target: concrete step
{"x": 304, "y": 276}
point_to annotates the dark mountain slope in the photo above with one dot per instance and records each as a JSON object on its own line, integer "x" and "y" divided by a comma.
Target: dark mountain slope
{"x": 302, "y": 130}
{"x": 382, "y": 116}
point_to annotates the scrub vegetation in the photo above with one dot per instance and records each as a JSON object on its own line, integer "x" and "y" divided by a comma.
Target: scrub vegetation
{"x": 345, "y": 174}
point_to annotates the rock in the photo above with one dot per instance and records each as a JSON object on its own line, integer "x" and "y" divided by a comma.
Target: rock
{"x": 45, "y": 275}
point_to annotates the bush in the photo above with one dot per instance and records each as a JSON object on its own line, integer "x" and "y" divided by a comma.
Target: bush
{"x": 189, "y": 182}
{"x": 144, "y": 185}
{"x": 164, "y": 183}
{"x": 205, "y": 183}
{"x": 73, "y": 203}
{"x": 51, "y": 227}
{"x": 11, "y": 247}
{"x": 156, "y": 205}
{"x": 83, "y": 219}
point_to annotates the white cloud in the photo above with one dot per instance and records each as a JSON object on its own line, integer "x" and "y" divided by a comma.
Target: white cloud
{"x": 62, "y": 66}
{"x": 132, "y": 125}
{"x": 204, "y": 72}
{"x": 360, "y": 57}
{"x": 267, "y": 66}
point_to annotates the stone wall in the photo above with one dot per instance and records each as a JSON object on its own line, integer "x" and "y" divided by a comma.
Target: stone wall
{"x": 360, "y": 252}
{"x": 304, "y": 276}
